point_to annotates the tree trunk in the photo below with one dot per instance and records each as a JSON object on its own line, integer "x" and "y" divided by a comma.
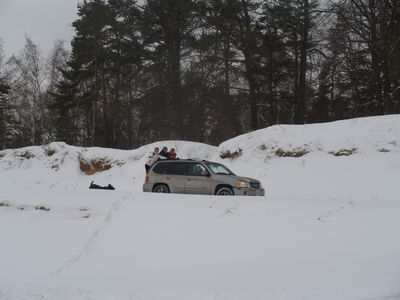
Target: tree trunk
{"x": 249, "y": 48}
{"x": 300, "y": 113}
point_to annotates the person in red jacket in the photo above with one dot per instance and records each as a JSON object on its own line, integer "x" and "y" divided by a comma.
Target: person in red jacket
{"x": 172, "y": 154}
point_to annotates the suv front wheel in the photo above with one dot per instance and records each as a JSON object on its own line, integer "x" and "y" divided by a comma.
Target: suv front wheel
{"x": 224, "y": 191}
{"x": 161, "y": 188}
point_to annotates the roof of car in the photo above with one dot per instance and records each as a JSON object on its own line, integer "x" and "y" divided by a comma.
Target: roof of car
{"x": 185, "y": 160}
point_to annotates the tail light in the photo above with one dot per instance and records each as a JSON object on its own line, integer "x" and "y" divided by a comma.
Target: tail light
{"x": 147, "y": 177}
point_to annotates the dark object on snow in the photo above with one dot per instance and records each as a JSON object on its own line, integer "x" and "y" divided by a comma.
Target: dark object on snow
{"x": 99, "y": 187}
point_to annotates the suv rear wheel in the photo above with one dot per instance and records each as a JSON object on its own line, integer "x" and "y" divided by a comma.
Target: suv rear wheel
{"x": 161, "y": 188}
{"x": 224, "y": 191}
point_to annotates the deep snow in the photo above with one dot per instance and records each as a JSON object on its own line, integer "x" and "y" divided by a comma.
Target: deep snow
{"x": 328, "y": 227}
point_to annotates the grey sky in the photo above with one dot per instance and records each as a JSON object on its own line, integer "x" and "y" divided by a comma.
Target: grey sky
{"x": 44, "y": 21}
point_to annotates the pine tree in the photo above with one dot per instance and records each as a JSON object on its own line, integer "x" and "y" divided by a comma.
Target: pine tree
{"x": 295, "y": 20}
{"x": 168, "y": 28}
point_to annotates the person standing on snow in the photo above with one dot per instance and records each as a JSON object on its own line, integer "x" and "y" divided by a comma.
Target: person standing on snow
{"x": 163, "y": 154}
{"x": 153, "y": 157}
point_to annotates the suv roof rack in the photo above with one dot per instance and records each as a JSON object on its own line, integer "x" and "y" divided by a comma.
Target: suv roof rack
{"x": 196, "y": 159}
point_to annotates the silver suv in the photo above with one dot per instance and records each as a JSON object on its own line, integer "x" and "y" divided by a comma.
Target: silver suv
{"x": 198, "y": 177}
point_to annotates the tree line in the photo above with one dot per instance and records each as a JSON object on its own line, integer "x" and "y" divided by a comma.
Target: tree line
{"x": 141, "y": 71}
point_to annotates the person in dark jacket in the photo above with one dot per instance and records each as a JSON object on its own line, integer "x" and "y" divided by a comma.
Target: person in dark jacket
{"x": 163, "y": 153}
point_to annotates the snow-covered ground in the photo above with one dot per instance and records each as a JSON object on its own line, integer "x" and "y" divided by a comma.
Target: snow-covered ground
{"x": 328, "y": 227}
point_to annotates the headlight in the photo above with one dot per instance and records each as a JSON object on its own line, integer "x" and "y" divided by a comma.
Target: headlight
{"x": 241, "y": 184}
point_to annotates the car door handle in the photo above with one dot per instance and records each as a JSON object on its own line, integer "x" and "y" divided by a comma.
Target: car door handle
{"x": 189, "y": 179}
{"x": 167, "y": 178}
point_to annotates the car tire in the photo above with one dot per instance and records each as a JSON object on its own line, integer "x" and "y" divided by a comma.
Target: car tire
{"x": 161, "y": 188}
{"x": 224, "y": 191}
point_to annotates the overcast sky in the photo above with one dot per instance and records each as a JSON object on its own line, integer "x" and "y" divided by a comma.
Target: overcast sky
{"x": 44, "y": 21}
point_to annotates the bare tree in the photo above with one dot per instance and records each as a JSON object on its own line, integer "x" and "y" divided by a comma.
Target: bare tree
{"x": 29, "y": 86}
{"x": 375, "y": 25}
{"x": 56, "y": 62}
{"x": 5, "y": 103}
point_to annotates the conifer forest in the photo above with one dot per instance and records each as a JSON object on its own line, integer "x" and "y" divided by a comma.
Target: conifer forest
{"x": 139, "y": 71}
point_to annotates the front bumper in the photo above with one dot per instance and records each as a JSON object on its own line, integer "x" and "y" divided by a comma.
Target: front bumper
{"x": 248, "y": 191}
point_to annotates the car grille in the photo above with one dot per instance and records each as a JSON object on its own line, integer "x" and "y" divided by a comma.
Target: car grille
{"x": 255, "y": 185}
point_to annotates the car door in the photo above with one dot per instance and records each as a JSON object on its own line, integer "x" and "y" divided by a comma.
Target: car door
{"x": 197, "y": 179}
{"x": 171, "y": 174}
{"x": 175, "y": 177}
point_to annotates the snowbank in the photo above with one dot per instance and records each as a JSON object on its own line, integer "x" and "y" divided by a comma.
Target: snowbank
{"x": 350, "y": 154}
{"x": 327, "y": 228}
{"x": 362, "y": 135}
{"x": 60, "y": 165}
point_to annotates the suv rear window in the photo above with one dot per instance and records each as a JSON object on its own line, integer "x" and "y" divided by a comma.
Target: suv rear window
{"x": 171, "y": 168}
{"x": 162, "y": 168}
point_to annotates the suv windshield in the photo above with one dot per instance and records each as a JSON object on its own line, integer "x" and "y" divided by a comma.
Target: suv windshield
{"x": 219, "y": 169}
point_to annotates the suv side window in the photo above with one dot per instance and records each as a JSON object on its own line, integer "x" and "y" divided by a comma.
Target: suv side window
{"x": 178, "y": 168}
{"x": 162, "y": 168}
{"x": 196, "y": 169}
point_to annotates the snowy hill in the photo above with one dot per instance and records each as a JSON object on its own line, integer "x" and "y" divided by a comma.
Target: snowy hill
{"x": 328, "y": 227}
{"x": 60, "y": 165}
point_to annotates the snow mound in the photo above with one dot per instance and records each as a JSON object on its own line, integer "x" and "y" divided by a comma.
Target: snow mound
{"x": 346, "y": 137}
{"x": 292, "y": 158}
{"x": 60, "y": 165}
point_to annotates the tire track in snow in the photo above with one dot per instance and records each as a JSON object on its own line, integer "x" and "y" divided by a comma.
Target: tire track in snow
{"x": 327, "y": 217}
{"x": 91, "y": 241}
